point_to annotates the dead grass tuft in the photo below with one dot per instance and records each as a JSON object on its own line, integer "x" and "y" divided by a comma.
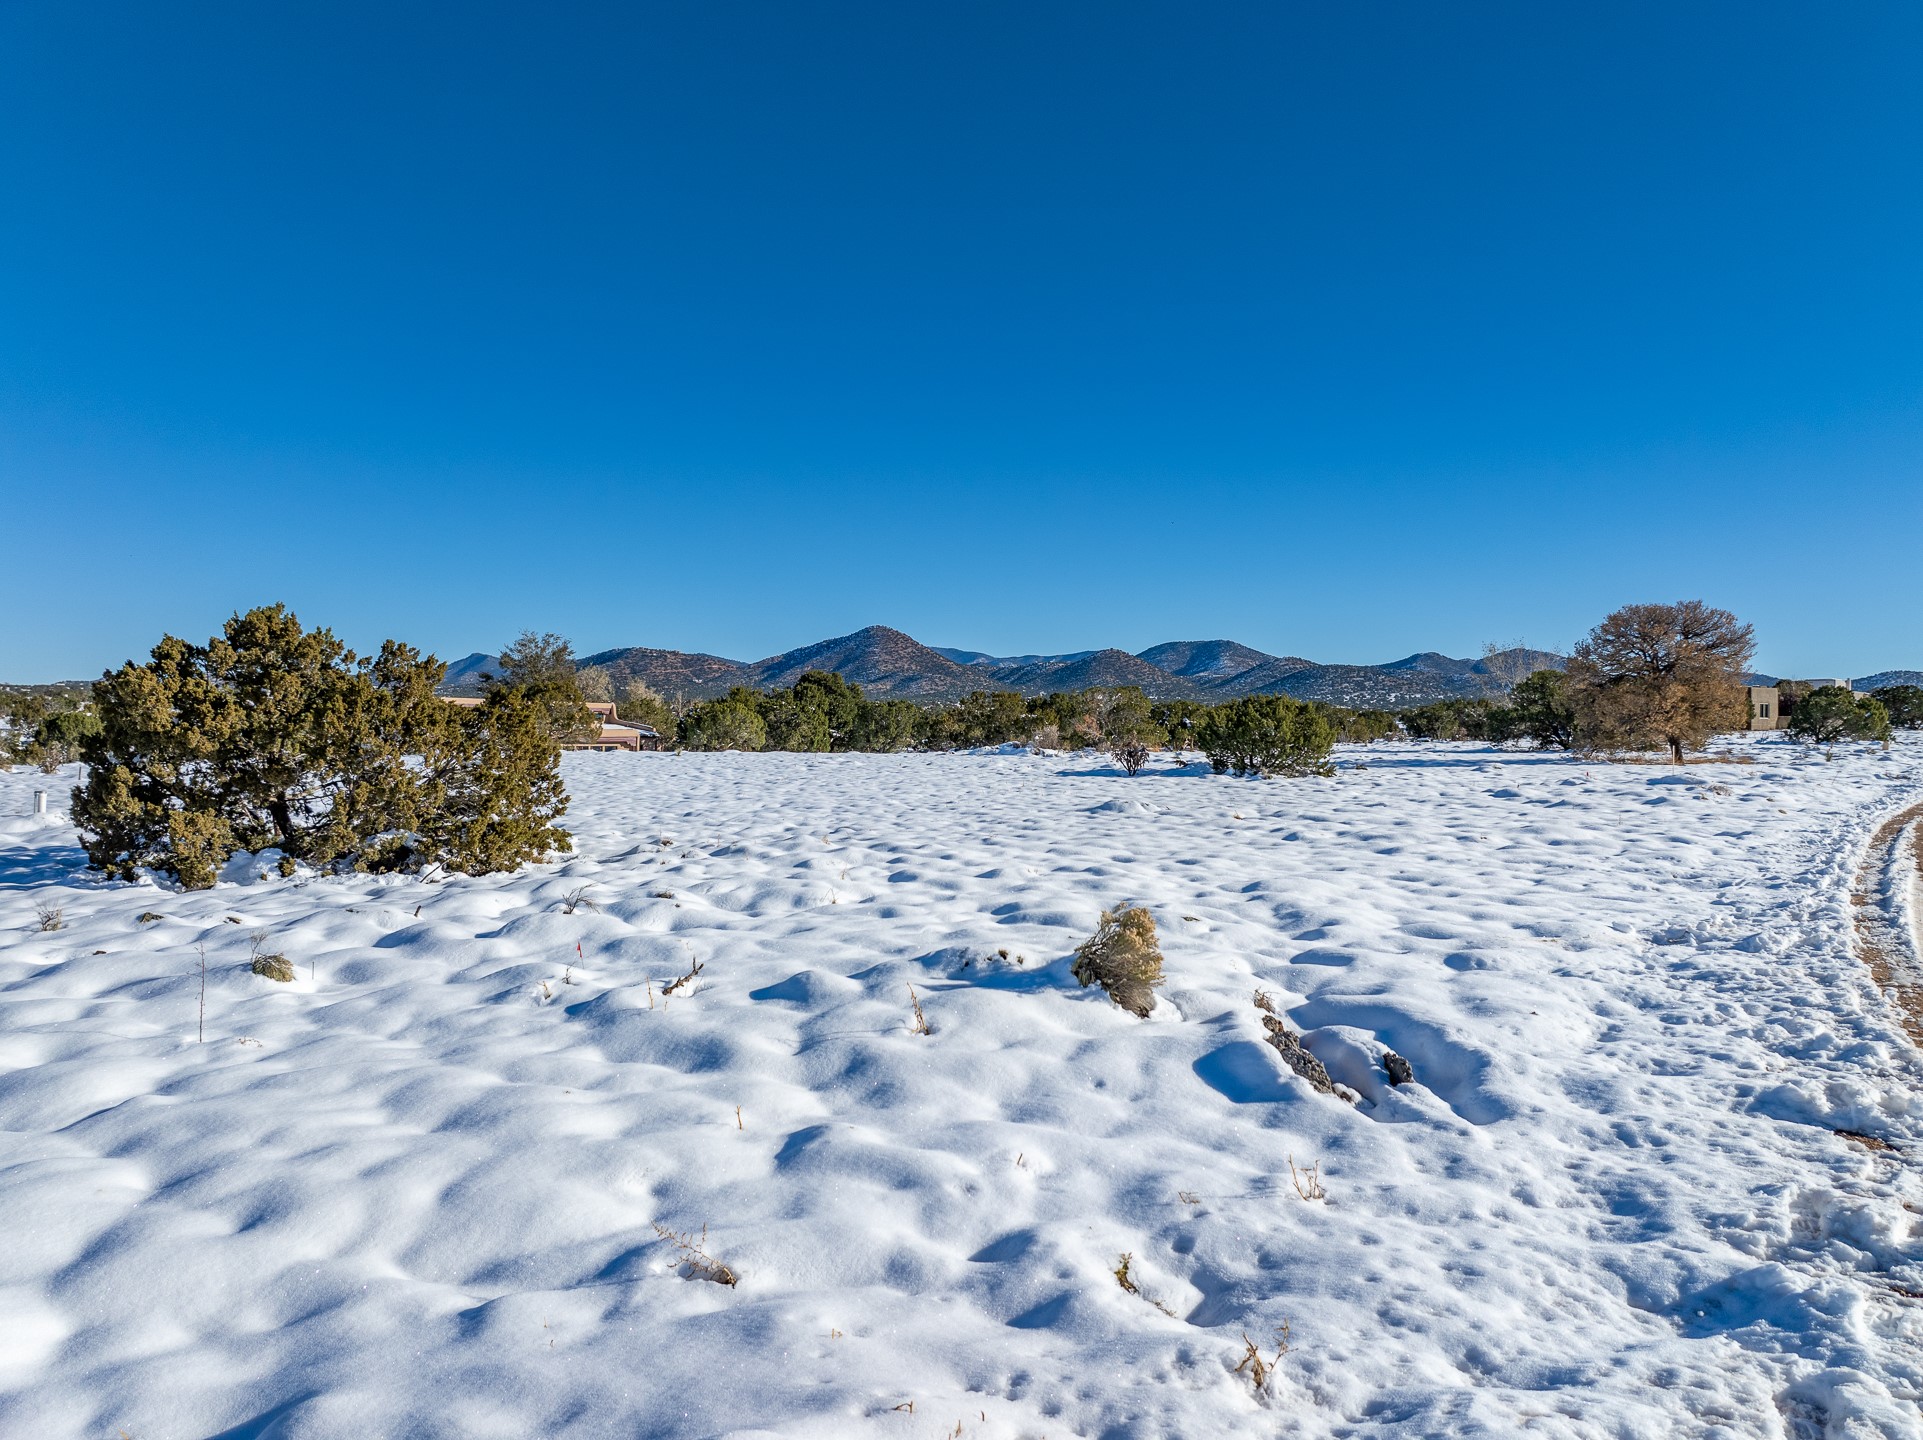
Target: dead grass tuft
{"x": 920, "y": 1027}
{"x": 1308, "y": 1181}
{"x": 273, "y": 967}
{"x": 1868, "y": 1142}
{"x": 1260, "y": 1370}
{"x": 1126, "y": 1280}
{"x": 1123, "y": 958}
{"x": 577, "y": 900}
{"x": 692, "y": 1251}
{"x": 51, "y": 917}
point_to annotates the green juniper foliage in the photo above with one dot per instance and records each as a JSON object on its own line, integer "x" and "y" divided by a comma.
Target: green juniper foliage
{"x": 731, "y": 723}
{"x": 1267, "y": 735}
{"x": 541, "y": 667}
{"x": 1830, "y": 713}
{"x": 271, "y": 736}
{"x": 1904, "y": 703}
{"x": 1542, "y": 711}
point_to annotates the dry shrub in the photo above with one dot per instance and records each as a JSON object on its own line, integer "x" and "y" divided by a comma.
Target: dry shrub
{"x": 273, "y": 967}
{"x": 51, "y": 917}
{"x": 1123, "y": 958}
{"x": 692, "y": 1251}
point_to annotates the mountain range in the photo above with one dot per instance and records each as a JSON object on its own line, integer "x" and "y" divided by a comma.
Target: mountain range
{"x": 890, "y": 665}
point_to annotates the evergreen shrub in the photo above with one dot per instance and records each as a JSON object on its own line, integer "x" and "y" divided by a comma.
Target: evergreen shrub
{"x": 1267, "y": 735}
{"x": 271, "y": 736}
{"x": 1830, "y": 713}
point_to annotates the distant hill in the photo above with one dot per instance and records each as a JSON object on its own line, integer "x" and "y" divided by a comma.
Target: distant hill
{"x": 1374, "y": 687}
{"x": 464, "y": 675}
{"x": 1213, "y": 662}
{"x": 1266, "y": 678}
{"x": 1004, "y": 662}
{"x": 1887, "y": 677}
{"x": 673, "y": 672}
{"x": 1430, "y": 663}
{"x": 888, "y": 664}
{"x": 1099, "y": 667}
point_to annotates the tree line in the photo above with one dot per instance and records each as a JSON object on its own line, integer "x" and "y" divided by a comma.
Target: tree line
{"x": 273, "y": 738}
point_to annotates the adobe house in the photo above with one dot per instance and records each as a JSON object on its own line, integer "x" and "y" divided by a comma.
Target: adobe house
{"x": 1770, "y": 706}
{"x": 614, "y": 735}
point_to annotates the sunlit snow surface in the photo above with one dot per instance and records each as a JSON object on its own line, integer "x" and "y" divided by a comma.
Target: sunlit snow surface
{"x": 414, "y": 1192}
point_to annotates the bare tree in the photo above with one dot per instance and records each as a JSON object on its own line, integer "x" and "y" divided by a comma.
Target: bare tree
{"x": 1506, "y": 666}
{"x": 1653, "y": 675}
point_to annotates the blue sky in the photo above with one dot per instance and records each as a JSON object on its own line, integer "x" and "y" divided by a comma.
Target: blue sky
{"x": 1344, "y": 331}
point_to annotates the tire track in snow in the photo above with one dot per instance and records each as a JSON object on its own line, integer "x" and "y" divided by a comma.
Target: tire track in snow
{"x": 1885, "y": 934}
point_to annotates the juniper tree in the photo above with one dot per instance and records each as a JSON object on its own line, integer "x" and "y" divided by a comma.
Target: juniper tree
{"x": 1542, "y": 710}
{"x": 1266, "y": 735}
{"x": 271, "y": 736}
{"x": 1831, "y": 712}
{"x": 730, "y": 723}
{"x": 542, "y": 668}
{"x": 1904, "y": 704}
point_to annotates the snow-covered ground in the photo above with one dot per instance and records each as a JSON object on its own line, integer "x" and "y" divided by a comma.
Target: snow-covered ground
{"x": 414, "y": 1193}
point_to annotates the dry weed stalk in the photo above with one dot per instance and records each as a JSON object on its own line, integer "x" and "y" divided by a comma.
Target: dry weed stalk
{"x": 693, "y": 1252}
{"x": 51, "y": 917}
{"x": 1259, "y": 1370}
{"x": 1123, "y": 958}
{"x": 1308, "y": 1180}
{"x": 684, "y": 981}
{"x": 1126, "y": 1279}
{"x": 920, "y": 1027}
{"x": 577, "y": 900}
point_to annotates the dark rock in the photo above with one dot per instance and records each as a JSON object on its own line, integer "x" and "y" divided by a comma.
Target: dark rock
{"x": 1399, "y": 1069}
{"x": 1289, "y": 1046}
